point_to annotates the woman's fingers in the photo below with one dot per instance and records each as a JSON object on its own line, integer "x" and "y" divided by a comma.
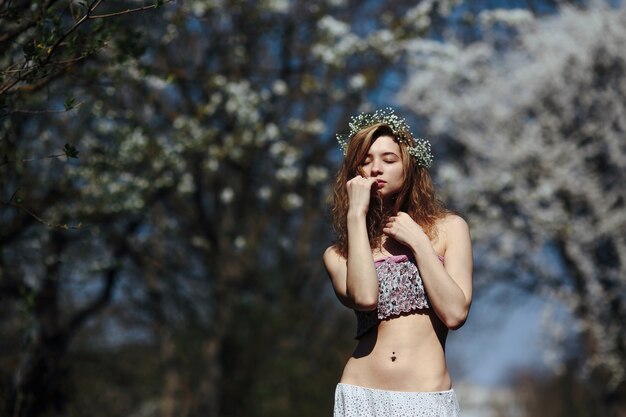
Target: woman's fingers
{"x": 359, "y": 192}
{"x": 361, "y": 182}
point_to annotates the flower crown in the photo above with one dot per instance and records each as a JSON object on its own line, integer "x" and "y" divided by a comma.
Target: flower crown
{"x": 418, "y": 148}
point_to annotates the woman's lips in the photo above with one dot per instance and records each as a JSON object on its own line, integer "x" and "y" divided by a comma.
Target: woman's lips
{"x": 380, "y": 183}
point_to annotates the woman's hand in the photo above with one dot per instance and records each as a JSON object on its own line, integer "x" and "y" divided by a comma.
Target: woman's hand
{"x": 359, "y": 193}
{"x": 403, "y": 229}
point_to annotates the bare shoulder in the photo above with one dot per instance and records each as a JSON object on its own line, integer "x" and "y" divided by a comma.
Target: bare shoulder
{"x": 332, "y": 251}
{"x": 453, "y": 223}
{"x": 332, "y": 257}
{"x": 452, "y": 229}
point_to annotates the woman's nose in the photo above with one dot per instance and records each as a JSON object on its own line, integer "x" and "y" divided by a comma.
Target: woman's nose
{"x": 376, "y": 168}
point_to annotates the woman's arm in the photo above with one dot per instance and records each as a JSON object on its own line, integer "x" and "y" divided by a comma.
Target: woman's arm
{"x": 354, "y": 279}
{"x": 449, "y": 288}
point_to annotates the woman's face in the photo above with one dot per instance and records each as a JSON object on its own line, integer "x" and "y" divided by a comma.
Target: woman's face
{"x": 384, "y": 163}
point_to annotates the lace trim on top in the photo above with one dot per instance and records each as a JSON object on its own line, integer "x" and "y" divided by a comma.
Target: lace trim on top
{"x": 400, "y": 291}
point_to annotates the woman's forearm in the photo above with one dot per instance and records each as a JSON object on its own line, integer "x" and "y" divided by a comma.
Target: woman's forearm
{"x": 361, "y": 280}
{"x": 446, "y": 297}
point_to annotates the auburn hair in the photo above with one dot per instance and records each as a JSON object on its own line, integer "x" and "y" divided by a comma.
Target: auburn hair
{"x": 416, "y": 197}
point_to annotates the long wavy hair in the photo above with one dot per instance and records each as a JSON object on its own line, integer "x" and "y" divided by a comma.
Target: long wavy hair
{"x": 416, "y": 197}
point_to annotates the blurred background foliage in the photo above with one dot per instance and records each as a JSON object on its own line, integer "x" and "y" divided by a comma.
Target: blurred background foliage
{"x": 165, "y": 175}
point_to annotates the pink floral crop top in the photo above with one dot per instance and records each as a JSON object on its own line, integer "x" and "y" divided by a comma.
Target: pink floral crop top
{"x": 400, "y": 291}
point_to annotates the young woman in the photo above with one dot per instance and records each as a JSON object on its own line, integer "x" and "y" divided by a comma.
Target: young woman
{"x": 404, "y": 264}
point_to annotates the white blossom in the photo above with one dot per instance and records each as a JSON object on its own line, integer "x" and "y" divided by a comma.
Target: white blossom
{"x": 316, "y": 174}
{"x": 239, "y": 242}
{"x": 288, "y": 174}
{"x": 186, "y": 184}
{"x": 292, "y": 201}
{"x": 279, "y": 87}
{"x": 227, "y": 195}
{"x": 357, "y": 81}
{"x": 542, "y": 125}
{"x": 333, "y": 27}
{"x": 513, "y": 17}
{"x": 278, "y": 6}
{"x": 264, "y": 193}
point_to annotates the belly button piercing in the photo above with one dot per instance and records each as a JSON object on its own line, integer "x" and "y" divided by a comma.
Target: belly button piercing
{"x": 393, "y": 356}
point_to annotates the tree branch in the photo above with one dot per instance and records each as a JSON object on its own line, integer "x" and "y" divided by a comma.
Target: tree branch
{"x": 39, "y": 219}
{"x": 88, "y": 16}
{"x": 76, "y": 25}
{"x": 28, "y": 24}
{"x": 127, "y": 11}
{"x": 37, "y": 86}
{"x": 14, "y": 288}
{"x": 109, "y": 281}
{"x": 13, "y": 230}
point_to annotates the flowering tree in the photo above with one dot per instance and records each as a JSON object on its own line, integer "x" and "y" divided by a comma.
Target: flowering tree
{"x": 185, "y": 238}
{"x": 540, "y": 162}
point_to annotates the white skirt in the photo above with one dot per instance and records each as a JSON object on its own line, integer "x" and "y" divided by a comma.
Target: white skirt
{"x": 355, "y": 401}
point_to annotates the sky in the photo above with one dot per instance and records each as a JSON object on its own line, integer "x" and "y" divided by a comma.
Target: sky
{"x": 499, "y": 336}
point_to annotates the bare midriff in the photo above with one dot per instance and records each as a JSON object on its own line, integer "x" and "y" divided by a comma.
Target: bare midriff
{"x": 401, "y": 354}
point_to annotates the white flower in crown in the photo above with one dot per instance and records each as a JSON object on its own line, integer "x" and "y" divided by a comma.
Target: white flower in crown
{"x": 419, "y": 148}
